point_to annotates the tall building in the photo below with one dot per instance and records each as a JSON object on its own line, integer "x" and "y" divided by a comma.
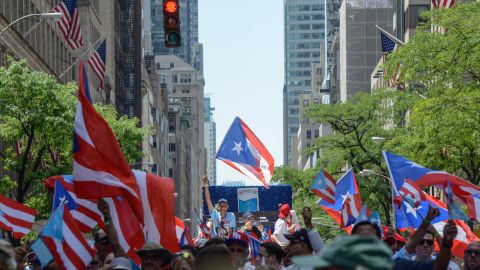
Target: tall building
{"x": 360, "y": 46}
{"x": 210, "y": 137}
{"x": 187, "y": 166}
{"x": 304, "y": 32}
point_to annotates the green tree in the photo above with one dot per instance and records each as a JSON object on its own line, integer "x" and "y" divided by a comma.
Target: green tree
{"x": 36, "y": 124}
{"x": 444, "y": 58}
{"x": 444, "y": 65}
{"x": 354, "y": 123}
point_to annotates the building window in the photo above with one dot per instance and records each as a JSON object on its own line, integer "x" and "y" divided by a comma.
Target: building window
{"x": 317, "y": 133}
{"x": 309, "y": 134}
{"x": 170, "y": 172}
{"x": 171, "y": 147}
{"x": 305, "y": 102}
{"x": 154, "y": 141}
{"x": 175, "y": 78}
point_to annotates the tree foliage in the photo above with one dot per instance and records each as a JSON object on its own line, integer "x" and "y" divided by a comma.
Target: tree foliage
{"x": 36, "y": 126}
{"x": 444, "y": 65}
{"x": 354, "y": 123}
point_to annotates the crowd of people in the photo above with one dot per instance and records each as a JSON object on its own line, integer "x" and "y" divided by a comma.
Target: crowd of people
{"x": 291, "y": 247}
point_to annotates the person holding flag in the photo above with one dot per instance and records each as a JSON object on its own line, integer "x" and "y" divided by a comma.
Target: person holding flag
{"x": 223, "y": 222}
{"x": 417, "y": 252}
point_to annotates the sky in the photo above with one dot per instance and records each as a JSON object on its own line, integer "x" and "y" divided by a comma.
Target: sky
{"x": 243, "y": 70}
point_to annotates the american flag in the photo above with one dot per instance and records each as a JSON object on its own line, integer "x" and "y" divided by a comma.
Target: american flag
{"x": 388, "y": 45}
{"x": 443, "y": 3}
{"x": 69, "y": 24}
{"x": 97, "y": 62}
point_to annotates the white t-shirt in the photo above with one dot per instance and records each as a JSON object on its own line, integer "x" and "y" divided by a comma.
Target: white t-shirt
{"x": 281, "y": 228}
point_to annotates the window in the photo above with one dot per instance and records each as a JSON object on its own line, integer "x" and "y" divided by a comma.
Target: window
{"x": 175, "y": 78}
{"x": 309, "y": 134}
{"x": 305, "y": 102}
{"x": 171, "y": 147}
{"x": 154, "y": 141}
{"x": 317, "y": 133}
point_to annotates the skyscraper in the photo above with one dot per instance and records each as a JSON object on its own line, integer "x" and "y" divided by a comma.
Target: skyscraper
{"x": 210, "y": 138}
{"x": 189, "y": 51}
{"x": 304, "y": 32}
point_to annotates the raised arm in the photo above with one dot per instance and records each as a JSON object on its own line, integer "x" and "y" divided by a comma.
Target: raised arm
{"x": 443, "y": 258}
{"x": 110, "y": 229}
{"x": 207, "y": 193}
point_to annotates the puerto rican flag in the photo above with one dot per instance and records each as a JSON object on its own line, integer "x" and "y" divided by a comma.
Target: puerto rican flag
{"x": 99, "y": 166}
{"x": 242, "y": 150}
{"x": 16, "y": 217}
{"x": 183, "y": 233}
{"x": 346, "y": 186}
{"x": 401, "y": 168}
{"x": 473, "y": 206}
{"x": 84, "y": 211}
{"x": 61, "y": 240}
{"x": 411, "y": 191}
{"x": 324, "y": 186}
{"x": 157, "y": 194}
{"x": 351, "y": 209}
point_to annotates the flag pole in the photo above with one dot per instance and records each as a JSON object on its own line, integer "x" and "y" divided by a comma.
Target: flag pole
{"x": 390, "y": 35}
{"x": 83, "y": 54}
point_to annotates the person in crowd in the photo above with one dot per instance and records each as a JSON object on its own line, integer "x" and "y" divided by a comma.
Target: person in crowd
{"x": 301, "y": 237}
{"x": 183, "y": 261}
{"x": 472, "y": 256}
{"x": 223, "y": 221}
{"x": 214, "y": 257}
{"x": 189, "y": 249}
{"x": 417, "y": 252}
{"x": 392, "y": 241}
{"x": 250, "y": 226}
{"x": 154, "y": 257}
{"x": 120, "y": 263}
{"x": 350, "y": 253}
{"x": 270, "y": 254}
{"x": 316, "y": 240}
{"x": 214, "y": 242}
{"x": 237, "y": 244}
{"x": 283, "y": 226}
{"x": 366, "y": 228}
{"x": 298, "y": 246}
{"x": 102, "y": 247}
{"x": 7, "y": 256}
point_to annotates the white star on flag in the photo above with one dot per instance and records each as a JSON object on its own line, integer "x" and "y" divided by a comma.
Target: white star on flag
{"x": 238, "y": 147}
{"x": 344, "y": 197}
{"x": 63, "y": 200}
{"x": 414, "y": 165}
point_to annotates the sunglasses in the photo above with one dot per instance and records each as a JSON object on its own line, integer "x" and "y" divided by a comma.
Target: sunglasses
{"x": 429, "y": 242}
{"x": 472, "y": 251}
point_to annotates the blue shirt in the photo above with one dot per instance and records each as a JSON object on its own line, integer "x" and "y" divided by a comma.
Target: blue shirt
{"x": 222, "y": 225}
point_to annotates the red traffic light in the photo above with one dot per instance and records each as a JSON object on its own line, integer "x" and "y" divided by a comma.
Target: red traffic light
{"x": 170, "y": 6}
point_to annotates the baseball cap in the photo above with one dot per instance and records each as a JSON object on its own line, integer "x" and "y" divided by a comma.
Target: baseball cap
{"x": 247, "y": 215}
{"x": 351, "y": 252}
{"x": 284, "y": 211}
{"x": 120, "y": 263}
{"x": 222, "y": 200}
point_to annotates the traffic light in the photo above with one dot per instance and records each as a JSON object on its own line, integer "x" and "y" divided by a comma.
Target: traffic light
{"x": 171, "y": 23}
